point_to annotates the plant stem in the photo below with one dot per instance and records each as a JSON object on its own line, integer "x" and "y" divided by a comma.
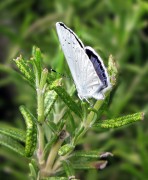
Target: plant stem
{"x": 58, "y": 162}
{"x": 41, "y": 86}
{"x": 52, "y": 156}
{"x": 40, "y": 145}
{"x": 40, "y": 113}
{"x": 90, "y": 117}
{"x": 40, "y": 105}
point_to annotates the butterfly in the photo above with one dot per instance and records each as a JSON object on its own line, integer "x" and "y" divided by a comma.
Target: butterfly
{"x": 87, "y": 68}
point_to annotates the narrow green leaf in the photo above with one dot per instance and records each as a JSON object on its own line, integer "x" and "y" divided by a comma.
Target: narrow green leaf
{"x": 71, "y": 125}
{"x": 35, "y": 164}
{"x": 31, "y": 132}
{"x": 13, "y": 132}
{"x": 12, "y": 144}
{"x": 79, "y": 132}
{"x": 68, "y": 168}
{"x": 91, "y": 165}
{"x": 118, "y": 122}
{"x": 91, "y": 154}
{"x": 66, "y": 97}
{"x": 32, "y": 174}
{"x": 25, "y": 69}
{"x": 50, "y": 98}
{"x": 60, "y": 125}
{"x": 53, "y": 127}
{"x": 55, "y": 178}
{"x": 37, "y": 59}
{"x": 34, "y": 169}
{"x": 56, "y": 128}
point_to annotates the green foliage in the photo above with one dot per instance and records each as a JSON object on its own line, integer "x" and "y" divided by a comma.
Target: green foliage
{"x": 25, "y": 69}
{"x": 12, "y": 144}
{"x": 109, "y": 27}
{"x": 50, "y": 98}
{"x": 68, "y": 169}
{"x": 66, "y": 98}
{"x": 31, "y": 131}
{"x": 48, "y": 139}
{"x": 13, "y": 132}
{"x": 118, "y": 122}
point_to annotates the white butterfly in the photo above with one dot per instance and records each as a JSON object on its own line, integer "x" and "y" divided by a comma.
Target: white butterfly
{"x": 86, "y": 66}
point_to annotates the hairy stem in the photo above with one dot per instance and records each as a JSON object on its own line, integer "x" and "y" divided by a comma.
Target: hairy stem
{"x": 52, "y": 156}
{"x": 40, "y": 145}
{"x": 40, "y": 104}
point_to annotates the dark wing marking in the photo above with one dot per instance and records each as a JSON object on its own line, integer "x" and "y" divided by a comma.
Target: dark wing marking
{"x": 98, "y": 66}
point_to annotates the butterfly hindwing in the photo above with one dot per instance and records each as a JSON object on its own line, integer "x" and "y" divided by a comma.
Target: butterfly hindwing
{"x": 88, "y": 82}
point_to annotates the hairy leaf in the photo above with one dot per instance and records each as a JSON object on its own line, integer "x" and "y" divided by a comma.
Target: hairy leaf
{"x": 66, "y": 97}
{"x": 12, "y": 144}
{"x": 91, "y": 154}
{"x": 37, "y": 59}
{"x": 13, "y": 132}
{"x": 25, "y": 69}
{"x": 50, "y": 98}
{"x": 118, "y": 122}
{"x": 68, "y": 168}
{"x": 31, "y": 132}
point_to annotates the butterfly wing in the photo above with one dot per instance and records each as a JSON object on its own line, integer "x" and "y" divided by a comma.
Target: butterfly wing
{"x": 82, "y": 69}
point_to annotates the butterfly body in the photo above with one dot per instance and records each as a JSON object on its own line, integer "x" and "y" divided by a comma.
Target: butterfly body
{"x": 86, "y": 66}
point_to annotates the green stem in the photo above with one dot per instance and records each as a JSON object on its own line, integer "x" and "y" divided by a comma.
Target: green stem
{"x": 41, "y": 86}
{"x": 91, "y": 115}
{"x": 40, "y": 105}
{"x": 58, "y": 162}
{"x": 40, "y": 145}
{"x": 84, "y": 110}
{"x": 52, "y": 156}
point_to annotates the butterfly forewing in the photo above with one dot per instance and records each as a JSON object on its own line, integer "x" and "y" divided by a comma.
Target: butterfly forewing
{"x": 69, "y": 43}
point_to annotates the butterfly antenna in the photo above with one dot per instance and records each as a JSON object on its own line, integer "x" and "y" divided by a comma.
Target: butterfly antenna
{"x": 63, "y": 75}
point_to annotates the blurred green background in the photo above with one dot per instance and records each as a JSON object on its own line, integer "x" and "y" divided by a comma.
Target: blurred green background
{"x": 111, "y": 27}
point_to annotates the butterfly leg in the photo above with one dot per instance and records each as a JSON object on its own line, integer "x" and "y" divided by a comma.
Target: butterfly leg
{"x": 87, "y": 100}
{"x": 80, "y": 97}
{"x": 83, "y": 98}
